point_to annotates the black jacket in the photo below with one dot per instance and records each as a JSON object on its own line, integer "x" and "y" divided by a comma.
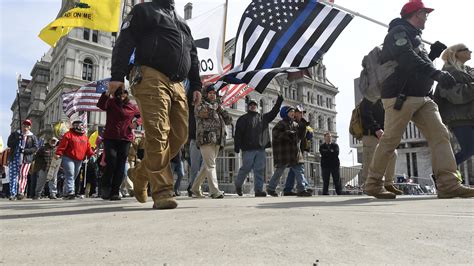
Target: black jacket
{"x": 456, "y": 105}
{"x": 372, "y": 115}
{"x": 414, "y": 70}
{"x": 329, "y": 155}
{"x": 302, "y": 131}
{"x": 251, "y": 129}
{"x": 29, "y": 148}
{"x": 162, "y": 40}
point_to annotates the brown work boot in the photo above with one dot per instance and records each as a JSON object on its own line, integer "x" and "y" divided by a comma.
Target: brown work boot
{"x": 461, "y": 192}
{"x": 139, "y": 186}
{"x": 165, "y": 203}
{"x": 393, "y": 189}
{"x": 380, "y": 193}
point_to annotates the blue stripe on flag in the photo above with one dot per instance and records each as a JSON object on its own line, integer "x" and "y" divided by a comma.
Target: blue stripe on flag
{"x": 288, "y": 34}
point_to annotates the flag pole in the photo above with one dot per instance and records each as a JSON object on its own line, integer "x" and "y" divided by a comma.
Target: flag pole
{"x": 355, "y": 13}
{"x": 18, "y": 98}
{"x": 225, "y": 26}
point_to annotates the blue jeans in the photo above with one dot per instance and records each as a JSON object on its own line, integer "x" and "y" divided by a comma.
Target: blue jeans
{"x": 254, "y": 159}
{"x": 196, "y": 161}
{"x": 465, "y": 138}
{"x": 178, "y": 168}
{"x": 299, "y": 176}
{"x": 290, "y": 181}
{"x": 71, "y": 170}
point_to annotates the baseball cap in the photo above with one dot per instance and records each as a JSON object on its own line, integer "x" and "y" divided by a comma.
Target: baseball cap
{"x": 253, "y": 101}
{"x": 300, "y": 109}
{"x": 27, "y": 122}
{"x": 413, "y": 6}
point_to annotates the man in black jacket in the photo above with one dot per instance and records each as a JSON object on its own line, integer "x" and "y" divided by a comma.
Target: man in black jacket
{"x": 372, "y": 115}
{"x": 330, "y": 164}
{"x": 252, "y": 137}
{"x": 165, "y": 56}
{"x": 406, "y": 96}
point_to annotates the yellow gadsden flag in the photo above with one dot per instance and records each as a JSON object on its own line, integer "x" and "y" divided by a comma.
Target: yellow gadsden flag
{"x": 101, "y": 15}
{"x": 93, "y": 139}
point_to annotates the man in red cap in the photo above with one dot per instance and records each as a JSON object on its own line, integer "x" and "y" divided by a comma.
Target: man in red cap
{"x": 406, "y": 96}
{"x": 23, "y": 145}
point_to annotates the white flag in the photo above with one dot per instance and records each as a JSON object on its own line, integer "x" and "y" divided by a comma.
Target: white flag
{"x": 208, "y": 33}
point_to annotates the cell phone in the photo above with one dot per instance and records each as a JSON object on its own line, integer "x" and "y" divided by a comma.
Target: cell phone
{"x": 399, "y": 102}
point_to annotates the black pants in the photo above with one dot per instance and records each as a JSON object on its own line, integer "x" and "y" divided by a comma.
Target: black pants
{"x": 116, "y": 153}
{"x": 336, "y": 178}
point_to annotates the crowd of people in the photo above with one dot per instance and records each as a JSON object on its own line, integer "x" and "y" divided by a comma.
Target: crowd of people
{"x": 174, "y": 116}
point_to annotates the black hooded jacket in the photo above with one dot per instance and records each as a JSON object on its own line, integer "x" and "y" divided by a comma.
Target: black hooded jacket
{"x": 414, "y": 70}
{"x": 251, "y": 129}
{"x": 162, "y": 41}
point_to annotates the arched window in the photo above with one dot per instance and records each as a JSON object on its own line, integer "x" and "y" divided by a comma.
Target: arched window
{"x": 87, "y": 68}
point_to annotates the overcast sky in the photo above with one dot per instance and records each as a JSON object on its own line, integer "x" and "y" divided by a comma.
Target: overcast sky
{"x": 20, "y": 48}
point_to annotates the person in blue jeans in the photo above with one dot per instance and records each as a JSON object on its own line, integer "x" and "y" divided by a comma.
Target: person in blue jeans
{"x": 304, "y": 147}
{"x": 252, "y": 136}
{"x": 177, "y": 166}
{"x": 286, "y": 152}
{"x": 73, "y": 149}
{"x": 195, "y": 157}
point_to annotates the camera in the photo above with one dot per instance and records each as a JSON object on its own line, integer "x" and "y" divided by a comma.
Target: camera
{"x": 399, "y": 102}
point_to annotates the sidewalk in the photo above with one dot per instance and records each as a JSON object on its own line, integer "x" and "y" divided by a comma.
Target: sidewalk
{"x": 240, "y": 231}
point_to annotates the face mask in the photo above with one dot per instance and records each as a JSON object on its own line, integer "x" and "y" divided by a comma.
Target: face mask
{"x": 78, "y": 128}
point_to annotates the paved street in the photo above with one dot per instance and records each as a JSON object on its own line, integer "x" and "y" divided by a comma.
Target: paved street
{"x": 270, "y": 231}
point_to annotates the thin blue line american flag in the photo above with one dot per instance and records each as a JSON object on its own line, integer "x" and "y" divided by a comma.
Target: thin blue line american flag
{"x": 230, "y": 93}
{"x": 277, "y": 36}
{"x": 85, "y": 98}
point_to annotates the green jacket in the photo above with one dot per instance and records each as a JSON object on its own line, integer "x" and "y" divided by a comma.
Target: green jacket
{"x": 456, "y": 105}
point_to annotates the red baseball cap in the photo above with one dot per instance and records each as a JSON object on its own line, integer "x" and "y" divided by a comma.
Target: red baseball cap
{"x": 27, "y": 122}
{"x": 413, "y": 6}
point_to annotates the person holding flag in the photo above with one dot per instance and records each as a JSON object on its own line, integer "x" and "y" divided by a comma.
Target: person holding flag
{"x": 122, "y": 118}
{"x": 407, "y": 96}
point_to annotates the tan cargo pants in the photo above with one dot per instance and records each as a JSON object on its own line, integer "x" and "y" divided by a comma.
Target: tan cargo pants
{"x": 164, "y": 112}
{"x": 369, "y": 143}
{"x": 424, "y": 113}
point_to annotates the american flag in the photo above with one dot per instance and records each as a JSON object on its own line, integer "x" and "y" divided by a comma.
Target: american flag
{"x": 230, "y": 93}
{"x": 85, "y": 98}
{"x": 277, "y": 36}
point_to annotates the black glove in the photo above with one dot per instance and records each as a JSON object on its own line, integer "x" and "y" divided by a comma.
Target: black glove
{"x": 236, "y": 150}
{"x": 436, "y": 49}
{"x": 445, "y": 79}
{"x": 280, "y": 98}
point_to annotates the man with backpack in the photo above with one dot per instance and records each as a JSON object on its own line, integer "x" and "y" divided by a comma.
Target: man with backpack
{"x": 406, "y": 96}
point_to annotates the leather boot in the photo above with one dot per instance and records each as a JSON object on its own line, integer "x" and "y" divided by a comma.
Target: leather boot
{"x": 374, "y": 187}
{"x": 393, "y": 189}
{"x": 461, "y": 192}
{"x": 139, "y": 186}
